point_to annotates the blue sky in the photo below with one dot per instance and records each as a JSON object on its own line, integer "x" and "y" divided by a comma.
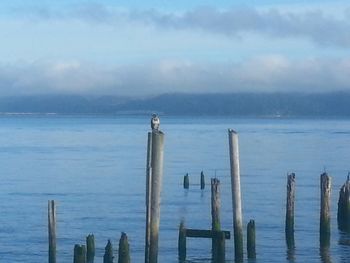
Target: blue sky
{"x": 142, "y": 48}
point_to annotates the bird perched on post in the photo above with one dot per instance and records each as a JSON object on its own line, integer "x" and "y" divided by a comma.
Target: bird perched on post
{"x": 155, "y": 122}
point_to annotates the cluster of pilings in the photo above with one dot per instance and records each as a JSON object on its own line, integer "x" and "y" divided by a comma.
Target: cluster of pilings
{"x": 85, "y": 253}
{"x": 154, "y": 173}
{"x": 343, "y": 215}
{"x": 186, "y": 182}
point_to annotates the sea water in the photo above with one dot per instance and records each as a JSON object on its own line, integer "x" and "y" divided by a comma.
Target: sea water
{"x": 94, "y": 167}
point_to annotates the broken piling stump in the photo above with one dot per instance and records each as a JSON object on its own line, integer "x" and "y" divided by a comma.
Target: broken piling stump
{"x": 251, "y": 240}
{"x": 90, "y": 248}
{"x": 289, "y": 224}
{"x": 52, "y": 231}
{"x": 343, "y": 215}
{"x": 325, "y": 214}
{"x": 108, "y": 256}
{"x": 124, "y": 252}
{"x": 182, "y": 242}
{"x": 186, "y": 181}
{"x": 202, "y": 181}
{"x": 79, "y": 254}
{"x": 215, "y": 214}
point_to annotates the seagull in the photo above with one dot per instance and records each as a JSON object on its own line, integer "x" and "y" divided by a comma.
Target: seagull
{"x": 155, "y": 122}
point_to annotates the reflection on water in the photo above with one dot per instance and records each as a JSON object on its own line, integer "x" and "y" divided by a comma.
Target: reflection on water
{"x": 344, "y": 247}
{"x": 291, "y": 255}
{"x": 325, "y": 255}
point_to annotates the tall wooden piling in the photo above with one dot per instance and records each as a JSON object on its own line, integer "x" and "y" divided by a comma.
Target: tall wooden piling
{"x": 182, "y": 242}
{"x": 90, "y": 249}
{"x": 186, "y": 182}
{"x": 325, "y": 214}
{"x": 343, "y": 215}
{"x": 148, "y": 196}
{"x": 251, "y": 240}
{"x": 108, "y": 256}
{"x": 215, "y": 215}
{"x": 124, "y": 253}
{"x": 236, "y": 194}
{"x": 289, "y": 225}
{"x": 202, "y": 181}
{"x": 79, "y": 254}
{"x": 155, "y": 176}
{"x": 52, "y": 231}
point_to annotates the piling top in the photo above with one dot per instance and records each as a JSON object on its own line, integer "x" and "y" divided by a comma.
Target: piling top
{"x": 232, "y": 131}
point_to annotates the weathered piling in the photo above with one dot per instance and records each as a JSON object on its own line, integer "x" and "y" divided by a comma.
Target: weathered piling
{"x": 289, "y": 225}
{"x": 182, "y": 242}
{"x": 124, "y": 253}
{"x": 343, "y": 215}
{"x": 215, "y": 215}
{"x": 108, "y": 256}
{"x": 155, "y": 175}
{"x": 202, "y": 181}
{"x": 52, "y": 231}
{"x": 90, "y": 248}
{"x": 220, "y": 255}
{"x": 148, "y": 196}
{"x": 325, "y": 214}
{"x": 236, "y": 194}
{"x": 251, "y": 240}
{"x": 186, "y": 182}
{"x": 79, "y": 254}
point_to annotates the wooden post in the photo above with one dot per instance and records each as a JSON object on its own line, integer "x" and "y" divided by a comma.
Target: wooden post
{"x": 155, "y": 190}
{"x": 325, "y": 214}
{"x": 186, "y": 182}
{"x": 148, "y": 196}
{"x": 202, "y": 181}
{"x": 108, "y": 256}
{"x": 90, "y": 248}
{"x": 182, "y": 242}
{"x": 251, "y": 240}
{"x": 215, "y": 214}
{"x": 343, "y": 215}
{"x": 289, "y": 227}
{"x": 236, "y": 194}
{"x": 52, "y": 231}
{"x": 124, "y": 253}
{"x": 220, "y": 247}
{"x": 79, "y": 254}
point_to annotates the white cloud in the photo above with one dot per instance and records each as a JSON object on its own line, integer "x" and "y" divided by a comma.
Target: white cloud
{"x": 314, "y": 24}
{"x": 262, "y": 74}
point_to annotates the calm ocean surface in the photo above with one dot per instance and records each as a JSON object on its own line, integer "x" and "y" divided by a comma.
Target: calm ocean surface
{"x": 94, "y": 167}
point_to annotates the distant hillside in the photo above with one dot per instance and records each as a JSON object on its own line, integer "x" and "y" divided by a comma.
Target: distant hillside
{"x": 235, "y": 104}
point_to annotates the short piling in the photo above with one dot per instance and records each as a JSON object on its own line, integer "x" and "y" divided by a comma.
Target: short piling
{"x": 182, "y": 242}
{"x": 124, "y": 253}
{"x": 155, "y": 180}
{"x": 90, "y": 249}
{"x": 236, "y": 194}
{"x": 289, "y": 224}
{"x": 251, "y": 240}
{"x": 215, "y": 215}
{"x": 325, "y": 213}
{"x": 343, "y": 215}
{"x": 108, "y": 256}
{"x": 79, "y": 254}
{"x": 52, "y": 231}
{"x": 202, "y": 181}
{"x": 186, "y": 182}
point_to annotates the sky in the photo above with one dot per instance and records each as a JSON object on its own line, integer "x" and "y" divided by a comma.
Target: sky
{"x": 145, "y": 48}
